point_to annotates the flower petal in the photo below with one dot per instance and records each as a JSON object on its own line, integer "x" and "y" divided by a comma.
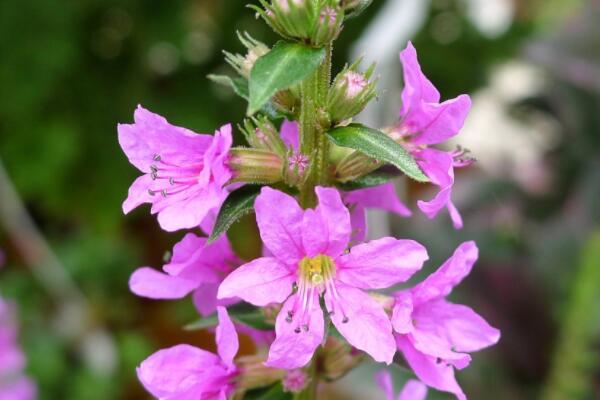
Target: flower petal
{"x": 326, "y": 230}
{"x": 413, "y": 390}
{"x": 384, "y": 381}
{"x": 436, "y": 123}
{"x": 383, "y": 197}
{"x": 362, "y": 321}
{"x": 290, "y": 134}
{"x": 177, "y": 370}
{"x": 439, "y": 376}
{"x": 152, "y": 135}
{"x": 205, "y": 299}
{"x": 279, "y": 219}
{"x": 417, "y": 88}
{"x": 138, "y": 194}
{"x": 226, "y": 338}
{"x": 292, "y": 349}
{"x": 358, "y": 221}
{"x": 462, "y": 327}
{"x": 451, "y": 273}
{"x": 402, "y": 312}
{"x": 260, "y": 282}
{"x": 150, "y": 283}
{"x": 381, "y": 263}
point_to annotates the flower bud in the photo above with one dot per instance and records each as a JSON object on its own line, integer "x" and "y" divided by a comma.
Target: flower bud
{"x": 255, "y": 166}
{"x": 338, "y": 358}
{"x": 297, "y": 168}
{"x": 262, "y": 134}
{"x": 295, "y": 381}
{"x": 254, "y": 374}
{"x": 350, "y": 93}
{"x": 243, "y": 64}
{"x": 354, "y": 165}
{"x": 292, "y": 19}
{"x": 329, "y": 25}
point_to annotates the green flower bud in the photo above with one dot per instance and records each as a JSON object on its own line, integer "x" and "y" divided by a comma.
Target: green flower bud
{"x": 243, "y": 64}
{"x": 255, "y": 166}
{"x": 350, "y": 93}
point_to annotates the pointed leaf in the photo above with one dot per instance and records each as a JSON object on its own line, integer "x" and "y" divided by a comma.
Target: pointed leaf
{"x": 239, "y": 85}
{"x": 203, "y": 323}
{"x": 284, "y": 66}
{"x": 377, "y": 145}
{"x": 239, "y": 203}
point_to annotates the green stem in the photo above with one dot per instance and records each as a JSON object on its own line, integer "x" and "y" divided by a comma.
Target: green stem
{"x": 313, "y": 142}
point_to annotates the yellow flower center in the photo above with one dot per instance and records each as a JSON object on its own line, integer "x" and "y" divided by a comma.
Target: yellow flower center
{"x": 317, "y": 270}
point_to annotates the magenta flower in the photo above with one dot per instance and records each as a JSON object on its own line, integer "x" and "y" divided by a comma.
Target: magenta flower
{"x": 413, "y": 390}
{"x": 309, "y": 260}
{"x": 195, "y": 268}
{"x": 435, "y": 335}
{"x": 184, "y": 172}
{"x": 14, "y": 385}
{"x": 424, "y": 121}
{"x": 185, "y": 372}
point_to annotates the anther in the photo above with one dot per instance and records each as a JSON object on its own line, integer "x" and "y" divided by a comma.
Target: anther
{"x": 157, "y": 157}
{"x": 345, "y": 320}
{"x": 305, "y": 327}
{"x": 438, "y": 360}
{"x": 171, "y": 181}
{"x": 297, "y": 330}
{"x": 154, "y": 175}
{"x": 164, "y": 193}
{"x": 153, "y": 168}
{"x": 289, "y": 319}
{"x": 151, "y": 192}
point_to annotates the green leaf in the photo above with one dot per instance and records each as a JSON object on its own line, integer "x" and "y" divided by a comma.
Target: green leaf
{"x": 274, "y": 392}
{"x": 202, "y": 323}
{"x": 371, "y": 180}
{"x": 239, "y": 85}
{"x": 239, "y": 203}
{"x": 356, "y": 11}
{"x": 284, "y": 66}
{"x": 378, "y": 145}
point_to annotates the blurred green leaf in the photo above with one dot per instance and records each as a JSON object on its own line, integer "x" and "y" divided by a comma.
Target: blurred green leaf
{"x": 239, "y": 203}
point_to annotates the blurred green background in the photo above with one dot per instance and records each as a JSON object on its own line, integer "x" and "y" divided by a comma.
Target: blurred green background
{"x": 71, "y": 70}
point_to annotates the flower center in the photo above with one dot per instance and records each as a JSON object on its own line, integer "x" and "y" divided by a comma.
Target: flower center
{"x": 170, "y": 179}
{"x": 316, "y": 270}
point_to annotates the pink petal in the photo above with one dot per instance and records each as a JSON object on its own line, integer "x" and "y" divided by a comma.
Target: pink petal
{"x": 326, "y": 230}
{"x": 260, "y": 282}
{"x": 188, "y": 209}
{"x": 382, "y": 197}
{"x": 227, "y": 338}
{"x": 279, "y": 219}
{"x": 451, "y": 273}
{"x": 462, "y": 327}
{"x": 417, "y": 88}
{"x": 362, "y": 321}
{"x": 292, "y": 350}
{"x": 205, "y": 299}
{"x": 381, "y": 263}
{"x": 20, "y": 389}
{"x": 176, "y": 370}
{"x": 150, "y": 283}
{"x": 384, "y": 381}
{"x": 437, "y": 375}
{"x": 413, "y": 390}
{"x": 290, "y": 134}
{"x": 402, "y": 313}
{"x": 215, "y": 168}
{"x": 358, "y": 221}
{"x": 437, "y": 123}
{"x": 151, "y": 134}
{"x": 138, "y": 194}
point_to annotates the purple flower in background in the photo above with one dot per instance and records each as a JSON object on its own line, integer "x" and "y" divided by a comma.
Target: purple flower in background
{"x": 14, "y": 385}
{"x": 309, "y": 259}
{"x": 185, "y": 372}
{"x": 435, "y": 335}
{"x": 413, "y": 390}
{"x": 424, "y": 121}
{"x": 195, "y": 268}
{"x": 184, "y": 172}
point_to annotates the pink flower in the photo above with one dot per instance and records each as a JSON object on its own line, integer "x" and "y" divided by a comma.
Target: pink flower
{"x": 309, "y": 261}
{"x": 435, "y": 335}
{"x": 413, "y": 390}
{"x": 13, "y": 384}
{"x": 185, "y": 372}
{"x": 195, "y": 268}
{"x": 424, "y": 121}
{"x": 184, "y": 172}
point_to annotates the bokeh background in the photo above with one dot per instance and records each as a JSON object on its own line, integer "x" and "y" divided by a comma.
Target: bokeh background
{"x": 71, "y": 70}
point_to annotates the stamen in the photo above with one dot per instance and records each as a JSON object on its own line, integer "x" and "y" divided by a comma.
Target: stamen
{"x": 157, "y": 157}
{"x": 151, "y": 192}
{"x": 345, "y": 320}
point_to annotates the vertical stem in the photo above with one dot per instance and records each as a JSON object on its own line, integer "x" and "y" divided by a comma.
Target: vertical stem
{"x": 313, "y": 142}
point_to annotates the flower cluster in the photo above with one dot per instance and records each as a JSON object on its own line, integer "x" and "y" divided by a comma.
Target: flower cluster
{"x": 314, "y": 302}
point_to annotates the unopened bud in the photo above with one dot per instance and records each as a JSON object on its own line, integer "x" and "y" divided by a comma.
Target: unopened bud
{"x": 354, "y": 165}
{"x": 329, "y": 25}
{"x": 262, "y": 134}
{"x": 255, "y": 166}
{"x": 243, "y": 64}
{"x": 350, "y": 93}
{"x": 292, "y": 19}
{"x": 297, "y": 168}
{"x": 295, "y": 381}
{"x": 338, "y": 358}
{"x": 254, "y": 374}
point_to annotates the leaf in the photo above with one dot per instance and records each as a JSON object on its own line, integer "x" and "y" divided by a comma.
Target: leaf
{"x": 202, "y": 323}
{"x": 274, "y": 392}
{"x": 373, "y": 179}
{"x": 284, "y": 66}
{"x": 239, "y": 203}
{"x": 378, "y": 145}
{"x": 239, "y": 85}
